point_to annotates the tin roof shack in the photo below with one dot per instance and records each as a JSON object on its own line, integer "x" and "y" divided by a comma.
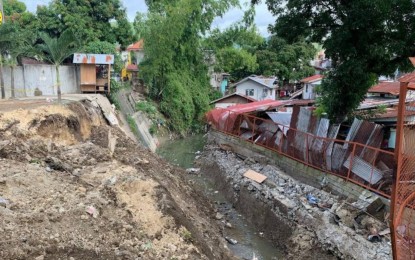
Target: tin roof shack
{"x": 95, "y": 72}
{"x": 231, "y": 100}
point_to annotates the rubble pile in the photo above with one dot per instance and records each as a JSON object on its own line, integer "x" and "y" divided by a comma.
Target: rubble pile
{"x": 317, "y": 218}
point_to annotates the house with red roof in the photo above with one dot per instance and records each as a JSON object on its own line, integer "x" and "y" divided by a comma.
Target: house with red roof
{"x": 137, "y": 51}
{"x": 309, "y": 85}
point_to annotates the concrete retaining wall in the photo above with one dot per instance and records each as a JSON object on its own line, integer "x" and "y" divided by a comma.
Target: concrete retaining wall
{"x": 29, "y": 77}
{"x": 295, "y": 169}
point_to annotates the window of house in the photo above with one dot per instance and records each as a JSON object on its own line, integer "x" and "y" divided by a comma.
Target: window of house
{"x": 265, "y": 93}
{"x": 306, "y": 88}
{"x": 249, "y": 92}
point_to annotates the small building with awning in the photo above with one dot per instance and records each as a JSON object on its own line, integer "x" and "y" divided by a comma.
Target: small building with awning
{"x": 95, "y": 72}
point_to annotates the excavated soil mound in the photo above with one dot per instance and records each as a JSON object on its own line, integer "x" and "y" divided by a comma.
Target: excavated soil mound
{"x": 71, "y": 187}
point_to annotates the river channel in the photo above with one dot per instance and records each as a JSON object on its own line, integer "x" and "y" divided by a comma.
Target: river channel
{"x": 250, "y": 242}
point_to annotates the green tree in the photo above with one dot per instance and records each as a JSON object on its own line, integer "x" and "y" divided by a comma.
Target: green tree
{"x": 292, "y": 61}
{"x": 139, "y": 25}
{"x": 56, "y": 50}
{"x": 99, "y": 47}
{"x": 11, "y": 7}
{"x": 239, "y": 62}
{"x": 363, "y": 38}
{"x": 90, "y": 20}
{"x": 174, "y": 66}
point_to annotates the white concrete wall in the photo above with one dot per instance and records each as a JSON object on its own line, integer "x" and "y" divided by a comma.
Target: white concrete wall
{"x": 309, "y": 90}
{"x": 29, "y": 77}
{"x": 258, "y": 90}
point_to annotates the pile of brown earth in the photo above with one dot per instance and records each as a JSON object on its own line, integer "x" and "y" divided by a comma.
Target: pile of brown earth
{"x": 72, "y": 187}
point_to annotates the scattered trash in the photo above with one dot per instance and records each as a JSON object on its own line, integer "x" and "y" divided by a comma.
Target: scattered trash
{"x": 312, "y": 200}
{"x": 385, "y": 232}
{"x": 91, "y": 210}
{"x": 111, "y": 181}
{"x": 3, "y": 202}
{"x": 254, "y": 257}
{"x": 193, "y": 170}
{"x": 231, "y": 241}
{"x": 228, "y": 225}
{"x": 374, "y": 238}
{"x": 218, "y": 216}
{"x": 255, "y": 176}
{"x": 48, "y": 169}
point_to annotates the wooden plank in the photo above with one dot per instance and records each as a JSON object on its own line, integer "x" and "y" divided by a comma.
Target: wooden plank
{"x": 88, "y": 74}
{"x": 255, "y": 176}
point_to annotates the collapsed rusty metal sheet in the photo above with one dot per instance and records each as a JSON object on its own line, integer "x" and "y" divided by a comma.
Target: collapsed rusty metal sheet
{"x": 352, "y": 132}
{"x": 338, "y": 157}
{"x": 319, "y": 143}
{"x": 322, "y": 131}
{"x": 332, "y": 134}
{"x": 375, "y": 140}
{"x": 363, "y": 169}
{"x": 300, "y": 141}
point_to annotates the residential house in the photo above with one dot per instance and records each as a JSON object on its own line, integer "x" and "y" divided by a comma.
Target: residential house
{"x": 309, "y": 86}
{"x": 321, "y": 63}
{"x": 231, "y": 100}
{"x": 220, "y": 81}
{"x": 257, "y": 87}
{"x": 137, "y": 51}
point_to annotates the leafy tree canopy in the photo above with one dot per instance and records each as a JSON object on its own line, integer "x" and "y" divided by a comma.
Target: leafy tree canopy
{"x": 11, "y": 7}
{"x": 90, "y": 20}
{"x": 363, "y": 38}
{"x": 289, "y": 62}
{"x": 174, "y": 65}
{"x": 99, "y": 47}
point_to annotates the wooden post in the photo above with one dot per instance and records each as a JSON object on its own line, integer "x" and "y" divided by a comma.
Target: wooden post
{"x": 109, "y": 79}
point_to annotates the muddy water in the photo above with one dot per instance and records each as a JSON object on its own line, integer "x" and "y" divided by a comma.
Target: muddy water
{"x": 250, "y": 241}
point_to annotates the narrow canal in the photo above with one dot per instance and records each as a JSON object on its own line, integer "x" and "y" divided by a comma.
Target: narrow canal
{"x": 250, "y": 242}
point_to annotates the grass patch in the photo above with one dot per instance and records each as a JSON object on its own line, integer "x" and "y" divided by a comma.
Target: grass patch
{"x": 133, "y": 125}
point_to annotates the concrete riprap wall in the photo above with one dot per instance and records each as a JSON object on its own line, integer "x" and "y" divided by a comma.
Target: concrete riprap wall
{"x": 29, "y": 77}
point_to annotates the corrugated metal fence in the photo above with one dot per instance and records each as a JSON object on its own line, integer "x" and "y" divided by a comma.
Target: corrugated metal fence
{"x": 311, "y": 141}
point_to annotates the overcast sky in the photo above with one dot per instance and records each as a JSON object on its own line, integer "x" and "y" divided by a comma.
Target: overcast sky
{"x": 262, "y": 19}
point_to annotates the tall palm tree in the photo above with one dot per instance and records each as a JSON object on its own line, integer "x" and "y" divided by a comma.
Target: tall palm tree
{"x": 56, "y": 50}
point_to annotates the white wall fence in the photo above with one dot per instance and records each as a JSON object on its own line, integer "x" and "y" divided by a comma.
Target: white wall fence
{"x": 28, "y": 78}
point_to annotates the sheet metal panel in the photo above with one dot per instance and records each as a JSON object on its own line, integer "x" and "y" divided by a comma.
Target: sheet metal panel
{"x": 364, "y": 170}
{"x": 332, "y": 134}
{"x": 85, "y": 58}
{"x": 352, "y": 132}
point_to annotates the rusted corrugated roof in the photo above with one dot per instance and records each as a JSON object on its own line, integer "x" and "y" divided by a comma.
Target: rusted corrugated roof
{"x": 408, "y": 77}
{"x": 386, "y": 87}
{"x": 138, "y": 46}
{"x": 300, "y": 102}
{"x": 312, "y": 79}
{"x": 132, "y": 67}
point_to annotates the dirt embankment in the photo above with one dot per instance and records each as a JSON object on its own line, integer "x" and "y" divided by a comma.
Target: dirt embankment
{"x": 72, "y": 187}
